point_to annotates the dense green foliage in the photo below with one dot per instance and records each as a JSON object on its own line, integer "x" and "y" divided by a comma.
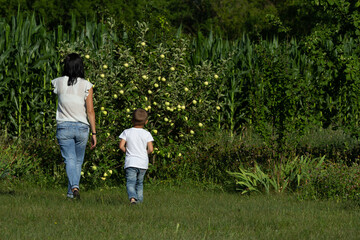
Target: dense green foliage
{"x": 216, "y": 105}
{"x": 232, "y": 18}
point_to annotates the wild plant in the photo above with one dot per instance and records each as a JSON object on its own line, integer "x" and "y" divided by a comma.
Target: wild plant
{"x": 291, "y": 174}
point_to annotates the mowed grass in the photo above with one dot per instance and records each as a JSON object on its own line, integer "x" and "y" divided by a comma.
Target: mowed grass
{"x": 185, "y": 212}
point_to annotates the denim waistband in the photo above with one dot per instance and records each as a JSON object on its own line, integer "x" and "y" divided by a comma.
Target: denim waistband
{"x": 72, "y": 124}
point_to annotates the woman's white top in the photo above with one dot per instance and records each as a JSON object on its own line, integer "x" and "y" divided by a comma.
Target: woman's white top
{"x": 71, "y": 100}
{"x": 136, "y": 147}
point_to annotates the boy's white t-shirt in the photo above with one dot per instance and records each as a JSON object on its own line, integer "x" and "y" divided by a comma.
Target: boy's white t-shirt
{"x": 136, "y": 147}
{"x": 71, "y": 99}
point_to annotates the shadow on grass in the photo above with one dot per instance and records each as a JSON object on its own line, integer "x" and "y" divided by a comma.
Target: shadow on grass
{"x": 7, "y": 192}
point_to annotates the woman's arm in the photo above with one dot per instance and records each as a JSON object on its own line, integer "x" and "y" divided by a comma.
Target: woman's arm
{"x": 91, "y": 116}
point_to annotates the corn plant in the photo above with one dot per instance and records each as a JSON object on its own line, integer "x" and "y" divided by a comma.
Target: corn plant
{"x": 29, "y": 60}
{"x": 24, "y": 82}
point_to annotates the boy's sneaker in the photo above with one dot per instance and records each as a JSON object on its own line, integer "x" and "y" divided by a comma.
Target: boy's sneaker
{"x": 133, "y": 201}
{"x": 76, "y": 194}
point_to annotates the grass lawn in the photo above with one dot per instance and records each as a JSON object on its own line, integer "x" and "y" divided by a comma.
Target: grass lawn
{"x": 185, "y": 212}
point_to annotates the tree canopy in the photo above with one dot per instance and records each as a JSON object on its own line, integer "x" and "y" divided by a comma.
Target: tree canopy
{"x": 230, "y": 18}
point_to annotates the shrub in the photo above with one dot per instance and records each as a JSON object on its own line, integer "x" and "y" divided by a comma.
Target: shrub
{"x": 16, "y": 163}
{"x": 182, "y": 101}
{"x": 336, "y": 181}
{"x": 219, "y": 151}
{"x": 336, "y": 143}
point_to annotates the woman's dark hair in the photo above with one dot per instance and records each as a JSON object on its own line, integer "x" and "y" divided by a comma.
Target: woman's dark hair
{"x": 73, "y": 68}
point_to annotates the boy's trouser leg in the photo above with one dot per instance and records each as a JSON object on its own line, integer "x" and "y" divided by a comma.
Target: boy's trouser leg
{"x": 131, "y": 176}
{"x": 140, "y": 184}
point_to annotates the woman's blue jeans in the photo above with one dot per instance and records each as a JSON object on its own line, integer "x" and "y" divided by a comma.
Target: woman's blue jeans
{"x": 72, "y": 138}
{"x": 134, "y": 183}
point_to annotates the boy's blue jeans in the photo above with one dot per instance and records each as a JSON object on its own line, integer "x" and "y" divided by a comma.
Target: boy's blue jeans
{"x": 72, "y": 138}
{"x": 135, "y": 183}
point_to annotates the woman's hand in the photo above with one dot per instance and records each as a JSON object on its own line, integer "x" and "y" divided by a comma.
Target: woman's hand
{"x": 93, "y": 142}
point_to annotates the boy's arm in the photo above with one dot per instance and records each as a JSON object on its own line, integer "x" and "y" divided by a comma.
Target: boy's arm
{"x": 122, "y": 145}
{"x": 150, "y": 147}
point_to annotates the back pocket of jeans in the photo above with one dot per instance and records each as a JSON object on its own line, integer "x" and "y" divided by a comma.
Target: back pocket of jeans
{"x": 63, "y": 132}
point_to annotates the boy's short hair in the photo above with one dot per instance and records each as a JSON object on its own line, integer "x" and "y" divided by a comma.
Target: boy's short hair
{"x": 139, "y": 117}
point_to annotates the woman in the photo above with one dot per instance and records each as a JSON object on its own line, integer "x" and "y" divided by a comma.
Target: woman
{"x": 75, "y": 113}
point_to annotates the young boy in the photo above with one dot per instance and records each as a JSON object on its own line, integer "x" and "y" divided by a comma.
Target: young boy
{"x": 136, "y": 142}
